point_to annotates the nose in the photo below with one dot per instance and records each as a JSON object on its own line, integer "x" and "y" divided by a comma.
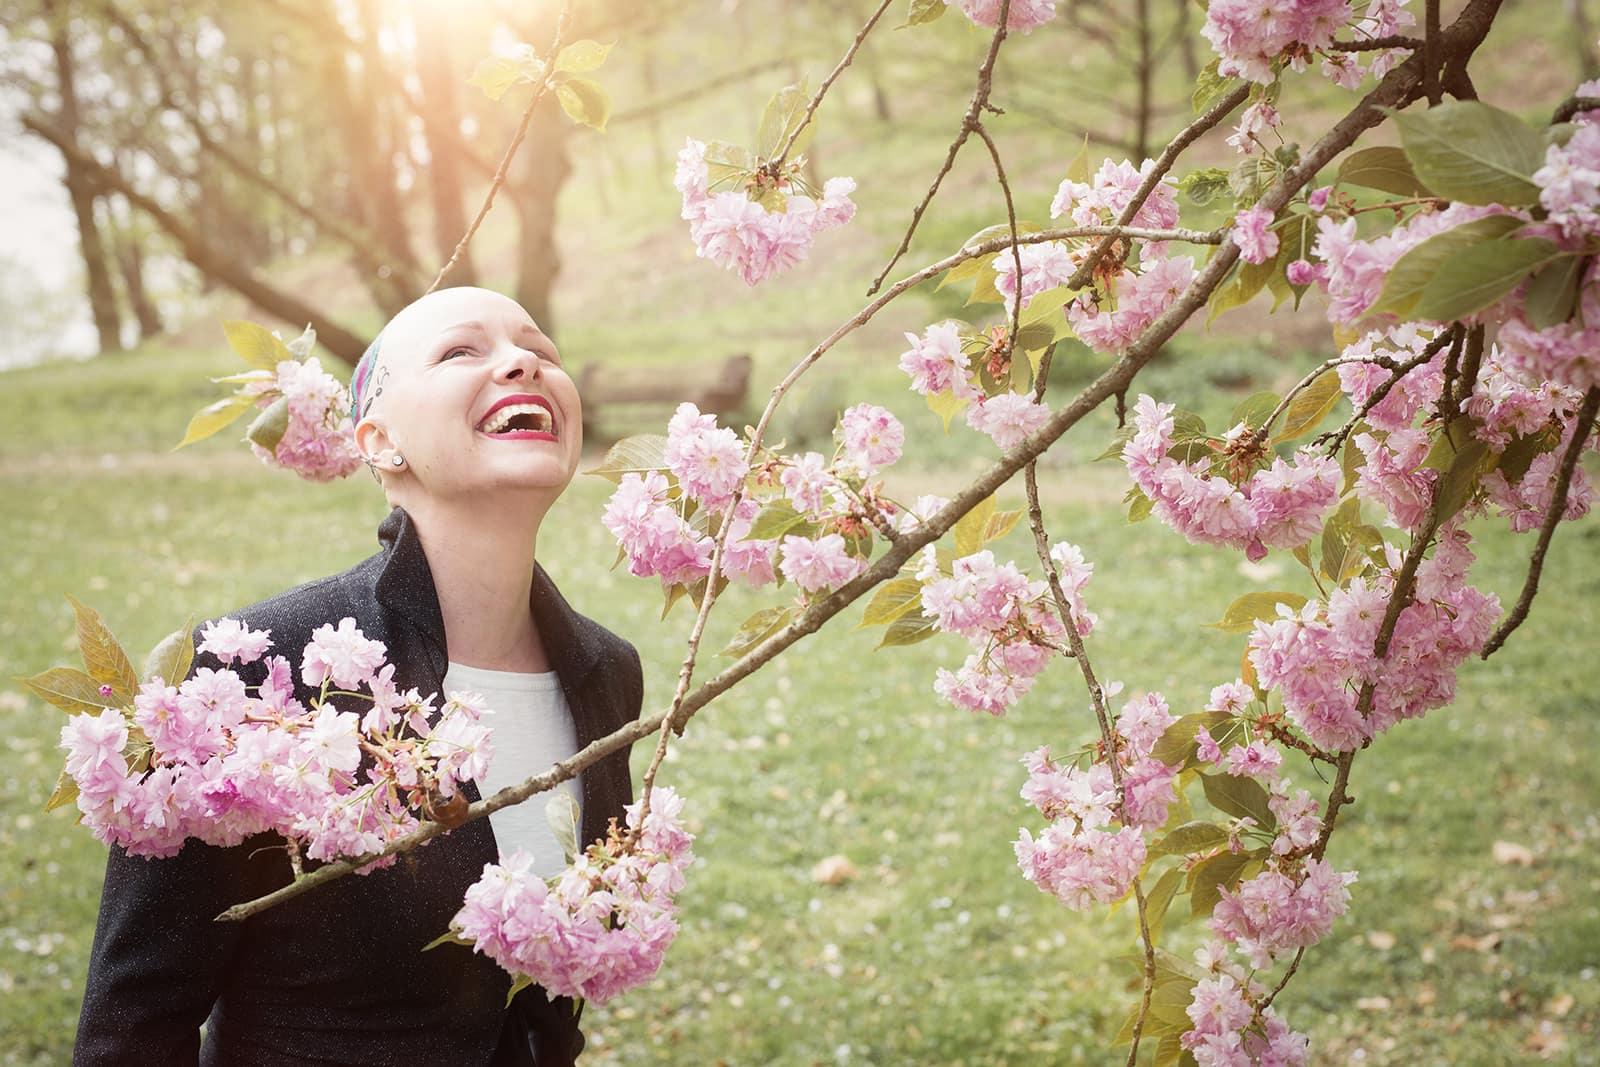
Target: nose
{"x": 516, "y": 364}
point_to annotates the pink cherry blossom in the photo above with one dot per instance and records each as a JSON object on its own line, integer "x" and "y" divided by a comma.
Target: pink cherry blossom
{"x": 1253, "y": 234}
{"x": 818, "y": 563}
{"x": 872, "y": 438}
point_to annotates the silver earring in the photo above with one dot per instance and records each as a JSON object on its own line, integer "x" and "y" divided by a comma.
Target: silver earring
{"x": 398, "y": 460}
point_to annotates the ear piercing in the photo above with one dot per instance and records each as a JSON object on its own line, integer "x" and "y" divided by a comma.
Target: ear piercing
{"x": 398, "y": 460}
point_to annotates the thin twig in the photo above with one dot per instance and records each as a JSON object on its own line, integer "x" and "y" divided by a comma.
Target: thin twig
{"x": 1294, "y": 965}
{"x": 1377, "y": 44}
{"x": 1169, "y": 155}
{"x": 979, "y": 101}
{"x": 1581, "y": 429}
{"x": 540, "y": 91}
{"x": 1335, "y": 438}
{"x": 822, "y": 90}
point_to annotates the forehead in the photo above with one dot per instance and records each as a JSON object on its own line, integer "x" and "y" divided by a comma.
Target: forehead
{"x": 450, "y": 315}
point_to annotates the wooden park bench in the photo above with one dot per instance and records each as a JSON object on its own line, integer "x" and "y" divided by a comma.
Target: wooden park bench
{"x": 716, "y": 390}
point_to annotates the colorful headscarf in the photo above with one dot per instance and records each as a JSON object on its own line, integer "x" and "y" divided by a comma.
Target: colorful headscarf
{"x": 362, "y": 378}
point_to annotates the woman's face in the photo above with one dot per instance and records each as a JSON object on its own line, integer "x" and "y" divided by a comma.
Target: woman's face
{"x": 472, "y": 394}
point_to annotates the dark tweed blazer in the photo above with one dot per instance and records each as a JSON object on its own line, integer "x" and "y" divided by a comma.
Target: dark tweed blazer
{"x": 338, "y": 975}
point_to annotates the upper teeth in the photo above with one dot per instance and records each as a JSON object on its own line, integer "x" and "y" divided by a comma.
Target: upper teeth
{"x": 501, "y": 418}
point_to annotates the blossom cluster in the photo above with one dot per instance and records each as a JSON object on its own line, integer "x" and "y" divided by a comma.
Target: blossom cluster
{"x": 212, "y": 760}
{"x": 318, "y": 441}
{"x": 603, "y": 925}
{"x": 938, "y": 364}
{"x": 662, "y": 518}
{"x": 1094, "y": 847}
{"x": 1280, "y": 505}
{"x": 1255, "y": 41}
{"x": 1009, "y": 620}
{"x": 742, "y": 235}
{"x": 1321, "y": 657}
{"x": 1025, "y": 15}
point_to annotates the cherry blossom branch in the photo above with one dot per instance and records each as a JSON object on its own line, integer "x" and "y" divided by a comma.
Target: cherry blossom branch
{"x": 1169, "y": 155}
{"x": 1571, "y": 106}
{"x": 540, "y": 91}
{"x": 1394, "y": 90}
{"x": 979, "y": 101}
{"x": 1581, "y": 429}
{"x": 1377, "y": 44}
{"x": 1398, "y": 370}
{"x": 822, "y": 90}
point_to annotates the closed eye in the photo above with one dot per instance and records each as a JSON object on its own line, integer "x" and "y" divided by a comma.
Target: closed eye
{"x": 457, "y": 351}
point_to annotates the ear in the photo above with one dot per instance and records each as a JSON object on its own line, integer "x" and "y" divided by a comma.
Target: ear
{"x": 372, "y": 439}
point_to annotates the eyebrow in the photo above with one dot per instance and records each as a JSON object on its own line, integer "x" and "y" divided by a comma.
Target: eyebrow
{"x": 476, "y": 327}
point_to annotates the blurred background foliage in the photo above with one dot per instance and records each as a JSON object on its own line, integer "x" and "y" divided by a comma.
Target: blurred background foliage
{"x": 301, "y": 161}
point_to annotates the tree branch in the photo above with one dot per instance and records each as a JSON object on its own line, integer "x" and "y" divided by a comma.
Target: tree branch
{"x": 1581, "y": 429}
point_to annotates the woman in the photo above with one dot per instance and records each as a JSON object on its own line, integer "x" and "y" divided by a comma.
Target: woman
{"x": 475, "y": 429}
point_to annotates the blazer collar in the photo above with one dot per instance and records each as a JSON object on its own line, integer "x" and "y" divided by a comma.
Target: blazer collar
{"x": 405, "y": 585}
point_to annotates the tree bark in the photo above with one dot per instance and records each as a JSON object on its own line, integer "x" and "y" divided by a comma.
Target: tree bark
{"x": 129, "y": 254}
{"x": 216, "y": 264}
{"x": 102, "y": 296}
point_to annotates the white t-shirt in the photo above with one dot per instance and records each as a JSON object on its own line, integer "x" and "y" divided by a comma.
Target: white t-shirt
{"x": 532, "y": 730}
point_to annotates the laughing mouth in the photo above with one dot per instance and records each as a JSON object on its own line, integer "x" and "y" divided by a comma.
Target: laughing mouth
{"x": 530, "y": 417}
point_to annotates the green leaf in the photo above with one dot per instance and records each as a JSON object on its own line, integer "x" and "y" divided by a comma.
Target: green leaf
{"x": 519, "y": 982}
{"x": 1239, "y": 797}
{"x": 1468, "y": 151}
{"x": 1254, "y": 409}
{"x": 756, "y": 629}
{"x": 1241, "y": 615}
{"x": 1168, "y": 1052}
{"x": 172, "y": 657}
{"x": 580, "y": 57}
{"x": 1386, "y": 168}
{"x": 1294, "y": 232}
{"x": 1209, "y": 877}
{"x": 497, "y": 74}
{"x": 1034, "y": 336}
{"x": 1413, "y": 271}
{"x": 300, "y": 348}
{"x": 1208, "y": 87}
{"x": 1190, "y": 837}
{"x": 1310, "y": 406}
{"x": 777, "y": 519}
{"x": 1481, "y": 275}
{"x": 1251, "y": 177}
{"x": 1552, "y": 295}
{"x": 449, "y": 937}
{"x": 947, "y": 406}
{"x": 728, "y": 162}
{"x": 268, "y": 428}
{"x": 585, "y": 101}
{"x": 970, "y": 528}
{"x": 214, "y": 416}
{"x": 1201, "y": 187}
{"x": 65, "y": 792}
{"x": 908, "y": 629}
{"x": 1178, "y": 747}
{"x": 922, "y": 11}
{"x": 891, "y": 600}
{"x": 1000, "y": 524}
{"x": 1468, "y": 463}
{"x": 103, "y": 657}
{"x": 68, "y": 689}
{"x": 562, "y": 814}
{"x": 1159, "y": 898}
{"x": 783, "y": 115}
{"x": 256, "y": 345}
{"x": 1139, "y": 507}
{"x": 1522, "y": 451}
{"x": 1119, "y": 441}
{"x": 632, "y": 455}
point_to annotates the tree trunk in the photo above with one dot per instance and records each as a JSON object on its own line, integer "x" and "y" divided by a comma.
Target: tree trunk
{"x": 544, "y": 172}
{"x": 102, "y": 297}
{"x": 129, "y": 253}
{"x": 440, "y": 120}
{"x": 216, "y": 263}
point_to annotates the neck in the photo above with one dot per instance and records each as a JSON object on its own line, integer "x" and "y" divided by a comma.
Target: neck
{"x": 482, "y": 558}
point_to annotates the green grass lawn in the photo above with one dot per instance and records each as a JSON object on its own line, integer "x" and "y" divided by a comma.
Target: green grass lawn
{"x": 937, "y": 951}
